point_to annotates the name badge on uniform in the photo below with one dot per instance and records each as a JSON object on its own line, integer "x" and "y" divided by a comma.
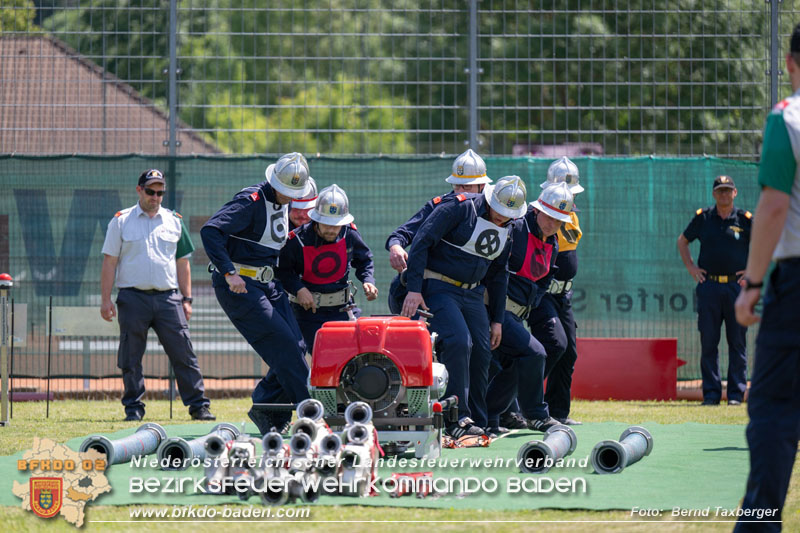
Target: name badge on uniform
{"x": 274, "y": 235}
{"x": 487, "y": 240}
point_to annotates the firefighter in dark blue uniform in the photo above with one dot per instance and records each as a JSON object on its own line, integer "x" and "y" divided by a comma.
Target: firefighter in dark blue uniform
{"x": 724, "y": 234}
{"x": 468, "y": 175}
{"x": 315, "y": 263}
{"x": 553, "y": 321}
{"x": 521, "y": 356}
{"x": 460, "y": 252}
{"x": 243, "y": 240}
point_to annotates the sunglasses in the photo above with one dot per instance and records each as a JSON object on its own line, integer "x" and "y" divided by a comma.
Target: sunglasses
{"x": 151, "y": 192}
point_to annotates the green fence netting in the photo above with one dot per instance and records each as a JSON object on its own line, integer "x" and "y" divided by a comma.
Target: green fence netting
{"x": 631, "y": 281}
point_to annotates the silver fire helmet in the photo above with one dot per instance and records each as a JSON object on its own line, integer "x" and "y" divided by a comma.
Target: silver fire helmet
{"x": 556, "y": 201}
{"x": 468, "y": 169}
{"x": 507, "y": 196}
{"x": 333, "y": 207}
{"x": 309, "y": 200}
{"x": 563, "y": 171}
{"x": 289, "y": 175}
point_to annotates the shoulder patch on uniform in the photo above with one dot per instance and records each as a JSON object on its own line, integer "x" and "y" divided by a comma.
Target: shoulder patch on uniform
{"x": 118, "y": 213}
{"x": 698, "y": 211}
{"x": 437, "y": 200}
{"x": 780, "y": 106}
{"x": 748, "y": 214}
{"x": 291, "y": 235}
{"x": 461, "y": 197}
{"x": 177, "y": 214}
{"x": 254, "y": 196}
{"x": 353, "y": 226}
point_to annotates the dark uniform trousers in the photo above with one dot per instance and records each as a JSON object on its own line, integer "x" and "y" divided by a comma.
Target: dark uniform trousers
{"x": 264, "y": 318}
{"x": 774, "y": 402}
{"x": 462, "y": 324}
{"x": 163, "y": 311}
{"x": 519, "y": 362}
{"x": 310, "y": 322}
{"x": 553, "y": 324}
{"x": 397, "y": 295}
{"x": 715, "y": 304}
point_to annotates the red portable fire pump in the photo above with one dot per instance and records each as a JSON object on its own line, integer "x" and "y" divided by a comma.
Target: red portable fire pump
{"x": 386, "y": 362}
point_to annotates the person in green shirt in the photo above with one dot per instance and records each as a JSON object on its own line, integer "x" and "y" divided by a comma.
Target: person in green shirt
{"x": 774, "y": 403}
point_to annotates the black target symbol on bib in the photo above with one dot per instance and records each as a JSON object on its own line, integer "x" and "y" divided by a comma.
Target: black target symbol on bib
{"x": 488, "y": 243}
{"x": 330, "y": 261}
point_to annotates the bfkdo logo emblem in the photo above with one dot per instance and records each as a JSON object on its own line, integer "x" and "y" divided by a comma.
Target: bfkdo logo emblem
{"x": 46, "y": 495}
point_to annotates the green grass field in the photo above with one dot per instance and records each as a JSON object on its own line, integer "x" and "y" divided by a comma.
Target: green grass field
{"x": 69, "y": 419}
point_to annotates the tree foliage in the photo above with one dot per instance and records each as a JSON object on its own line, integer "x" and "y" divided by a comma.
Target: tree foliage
{"x": 17, "y": 16}
{"x": 644, "y": 79}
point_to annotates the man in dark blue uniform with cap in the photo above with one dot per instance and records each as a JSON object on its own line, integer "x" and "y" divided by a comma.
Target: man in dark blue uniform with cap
{"x": 724, "y": 234}
{"x": 774, "y": 402}
{"x": 468, "y": 176}
{"x": 534, "y": 250}
{"x": 315, "y": 264}
{"x": 243, "y": 240}
{"x": 459, "y": 252}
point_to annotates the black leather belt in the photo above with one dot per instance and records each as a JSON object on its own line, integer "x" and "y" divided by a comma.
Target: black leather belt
{"x": 150, "y": 291}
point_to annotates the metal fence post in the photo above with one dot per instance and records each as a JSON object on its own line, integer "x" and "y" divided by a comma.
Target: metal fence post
{"x": 473, "y": 74}
{"x": 172, "y": 101}
{"x": 5, "y": 285}
{"x": 774, "y": 52}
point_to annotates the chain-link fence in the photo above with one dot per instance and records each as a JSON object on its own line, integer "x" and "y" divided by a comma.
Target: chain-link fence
{"x": 508, "y": 77}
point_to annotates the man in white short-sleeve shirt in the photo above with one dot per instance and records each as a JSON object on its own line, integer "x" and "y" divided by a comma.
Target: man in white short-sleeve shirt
{"x": 147, "y": 250}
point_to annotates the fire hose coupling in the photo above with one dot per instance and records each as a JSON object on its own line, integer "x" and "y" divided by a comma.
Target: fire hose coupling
{"x": 241, "y": 451}
{"x": 330, "y": 444}
{"x": 611, "y": 457}
{"x": 144, "y": 441}
{"x": 538, "y": 456}
{"x": 358, "y": 413}
{"x": 310, "y": 408}
{"x": 305, "y": 425}
{"x": 177, "y": 454}
{"x": 300, "y": 444}
{"x": 290, "y": 487}
{"x": 272, "y": 444}
{"x": 276, "y": 493}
